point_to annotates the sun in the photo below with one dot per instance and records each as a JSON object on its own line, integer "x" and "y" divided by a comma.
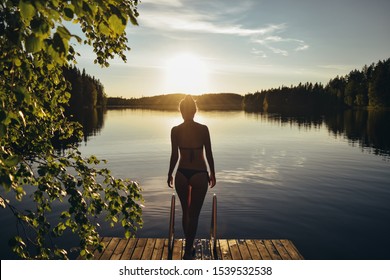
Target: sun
{"x": 186, "y": 73}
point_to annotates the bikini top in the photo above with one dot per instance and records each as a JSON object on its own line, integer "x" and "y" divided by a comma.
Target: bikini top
{"x": 192, "y": 151}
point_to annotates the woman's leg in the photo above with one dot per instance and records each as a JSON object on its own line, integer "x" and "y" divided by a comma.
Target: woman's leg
{"x": 183, "y": 191}
{"x": 191, "y": 194}
{"x": 199, "y": 186}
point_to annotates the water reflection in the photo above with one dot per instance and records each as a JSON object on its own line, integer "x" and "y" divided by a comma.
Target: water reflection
{"x": 367, "y": 129}
{"x": 91, "y": 120}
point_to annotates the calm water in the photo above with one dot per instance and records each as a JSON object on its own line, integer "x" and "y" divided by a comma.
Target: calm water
{"x": 322, "y": 182}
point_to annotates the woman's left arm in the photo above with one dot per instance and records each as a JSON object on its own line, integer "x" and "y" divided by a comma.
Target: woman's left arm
{"x": 174, "y": 157}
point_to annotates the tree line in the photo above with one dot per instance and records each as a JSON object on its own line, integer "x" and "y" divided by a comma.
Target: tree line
{"x": 210, "y": 101}
{"x": 369, "y": 87}
{"x": 85, "y": 91}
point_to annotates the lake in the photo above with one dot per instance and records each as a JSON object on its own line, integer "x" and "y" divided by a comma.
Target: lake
{"x": 321, "y": 181}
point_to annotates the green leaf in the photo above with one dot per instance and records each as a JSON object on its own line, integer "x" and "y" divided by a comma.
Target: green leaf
{"x": 12, "y": 161}
{"x": 133, "y": 19}
{"x": 104, "y": 29}
{"x": 68, "y": 14}
{"x": 17, "y": 62}
{"x": 3, "y": 116}
{"x": 33, "y": 44}
{"x": 22, "y": 94}
{"x": 3, "y": 130}
{"x": 40, "y": 28}
{"x": 116, "y": 24}
{"x": 68, "y": 223}
{"x": 27, "y": 10}
{"x": 6, "y": 181}
{"x": 58, "y": 43}
{"x": 65, "y": 214}
{"x": 63, "y": 32}
{"x": 3, "y": 202}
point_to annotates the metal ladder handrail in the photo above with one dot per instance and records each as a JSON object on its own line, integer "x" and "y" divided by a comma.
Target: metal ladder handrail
{"x": 171, "y": 237}
{"x": 213, "y": 228}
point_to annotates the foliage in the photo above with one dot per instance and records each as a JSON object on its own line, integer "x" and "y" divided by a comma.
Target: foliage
{"x": 379, "y": 85}
{"x": 367, "y": 87}
{"x": 303, "y": 96}
{"x": 86, "y": 91}
{"x": 35, "y": 46}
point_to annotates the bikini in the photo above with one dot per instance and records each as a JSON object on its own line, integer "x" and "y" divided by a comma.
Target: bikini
{"x": 188, "y": 172}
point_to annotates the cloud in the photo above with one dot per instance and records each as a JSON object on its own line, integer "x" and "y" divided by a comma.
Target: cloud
{"x": 337, "y": 67}
{"x": 170, "y": 17}
{"x": 280, "y": 45}
{"x": 259, "y": 53}
{"x": 192, "y": 22}
{"x": 302, "y": 47}
{"x": 278, "y": 51}
{"x": 172, "y": 3}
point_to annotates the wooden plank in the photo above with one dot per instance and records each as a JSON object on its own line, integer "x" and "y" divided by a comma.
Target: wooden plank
{"x": 177, "y": 249}
{"x": 116, "y": 255}
{"x": 215, "y": 251}
{"x": 291, "y": 249}
{"x": 262, "y": 250}
{"x": 158, "y": 249}
{"x": 165, "y": 250}
{"x": 96, "y": 253}
{"x": 129, "y": 249}
{"x": 139, "y": 249}
{"x": 110, "y": 248}
{"x": 272, "y": 250}
{"x": 218, "y": 253}
{"x": 281, "y": 250}
{"x": 148, "y": 251}
{"x": 206, "y": 253}
{"x": 224, "y": 249}
{"x": 198, "y": 249}
{"x": 243, "y": 248}
{"x": 234, "y": 249}
{"x": 254, "y": 252}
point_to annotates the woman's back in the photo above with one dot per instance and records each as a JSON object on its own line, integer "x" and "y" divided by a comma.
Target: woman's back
{"x": 191, "y": 134}
{"x": 191, "y": 138}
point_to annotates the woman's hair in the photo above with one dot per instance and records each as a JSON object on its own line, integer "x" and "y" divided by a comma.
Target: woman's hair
{"x": 188, "y": 105}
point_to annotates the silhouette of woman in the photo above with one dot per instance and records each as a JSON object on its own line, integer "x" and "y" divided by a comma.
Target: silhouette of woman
{"x": 192, "y": 178}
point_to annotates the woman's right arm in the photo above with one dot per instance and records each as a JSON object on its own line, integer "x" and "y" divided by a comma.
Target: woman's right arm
{"x": 174, "y": 156}
{"x": 210, "y": 158}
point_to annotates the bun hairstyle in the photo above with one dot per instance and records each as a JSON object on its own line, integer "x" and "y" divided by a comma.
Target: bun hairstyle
{"x": 188, "y": 106}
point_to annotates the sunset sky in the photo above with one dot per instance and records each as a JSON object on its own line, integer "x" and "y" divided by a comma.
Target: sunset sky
{"x": 243, "y": 46}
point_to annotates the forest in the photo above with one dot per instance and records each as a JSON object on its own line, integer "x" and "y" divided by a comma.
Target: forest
{"x": 210, "y": 101}
{"x": 86, "y": 91}
{"x": 369, "y": 87}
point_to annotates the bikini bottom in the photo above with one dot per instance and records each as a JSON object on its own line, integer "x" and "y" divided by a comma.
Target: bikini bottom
{"x": 188, "y": 173}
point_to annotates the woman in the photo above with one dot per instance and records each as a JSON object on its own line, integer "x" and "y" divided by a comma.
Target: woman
{"x": 192, "y": 178}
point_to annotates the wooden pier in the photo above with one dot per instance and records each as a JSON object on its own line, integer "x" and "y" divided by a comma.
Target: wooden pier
{"x": 225, "y": 249}
{"x": 171, "y": 248}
